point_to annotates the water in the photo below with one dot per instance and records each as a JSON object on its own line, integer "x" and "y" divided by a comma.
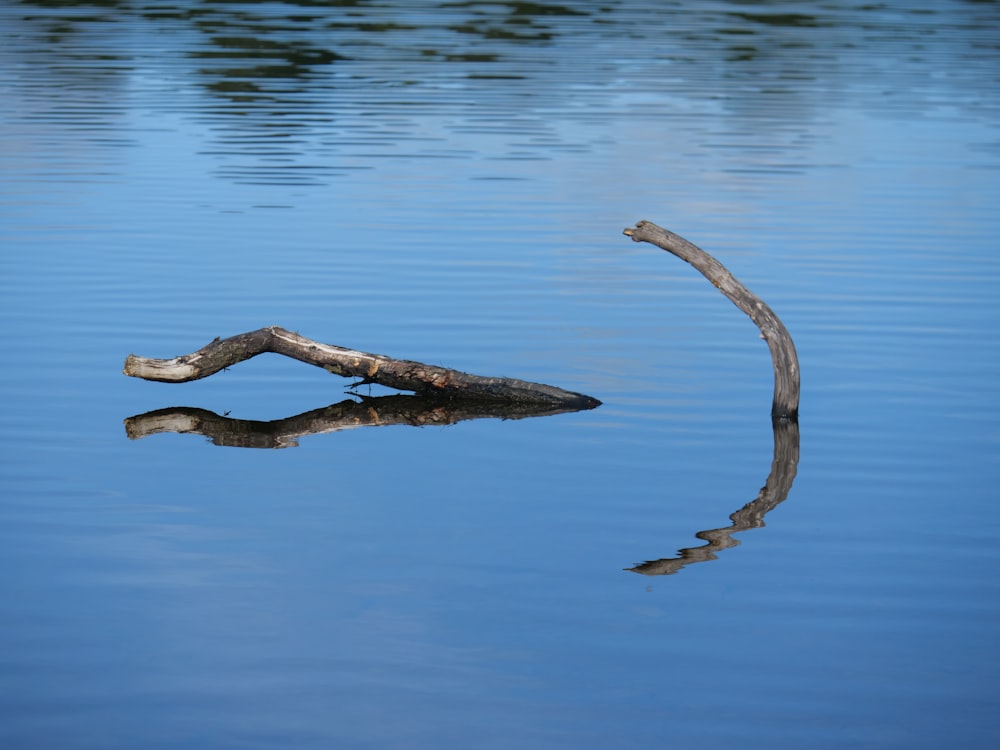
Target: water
{"x": 449, "y": 184}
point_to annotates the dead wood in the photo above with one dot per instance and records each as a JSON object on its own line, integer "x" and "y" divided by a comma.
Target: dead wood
{"x": 785, "y": 404}
{"x": 403, "y": 375}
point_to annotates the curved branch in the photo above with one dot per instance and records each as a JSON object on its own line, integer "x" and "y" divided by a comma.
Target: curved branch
{"x": 785, "y": 404}
{"x": 401, "y": 374}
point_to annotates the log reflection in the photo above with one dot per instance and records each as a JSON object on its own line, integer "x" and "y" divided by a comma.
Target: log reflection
{"x": 380, "y": 411}
{"x": 750, "y": 516}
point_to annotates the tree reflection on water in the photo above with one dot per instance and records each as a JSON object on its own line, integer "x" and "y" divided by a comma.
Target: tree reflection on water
{"x": 418, "y": 411}
{"x": 750, "y": 516}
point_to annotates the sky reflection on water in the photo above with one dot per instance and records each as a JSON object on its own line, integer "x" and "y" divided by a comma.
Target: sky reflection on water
{"x": 450, "y": 185}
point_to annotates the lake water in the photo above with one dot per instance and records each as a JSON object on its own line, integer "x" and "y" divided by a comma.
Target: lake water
{"x": 449, "y": 183}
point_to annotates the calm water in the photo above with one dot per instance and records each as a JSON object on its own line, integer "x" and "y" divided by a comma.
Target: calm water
{"x": 449, "y": 183}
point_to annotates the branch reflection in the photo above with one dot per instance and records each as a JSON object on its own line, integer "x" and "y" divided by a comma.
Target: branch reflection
{"x": 380, "y": 411}
{"x": 750, "y": 516}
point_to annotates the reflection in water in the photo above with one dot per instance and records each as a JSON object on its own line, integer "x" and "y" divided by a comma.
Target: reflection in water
{"x": 380, "y": 411}
{"x": 751, "y": 515}
{"x": 292, "y": 83}
{"x": 298, "y": 93}
{"x": 419, "y": 411}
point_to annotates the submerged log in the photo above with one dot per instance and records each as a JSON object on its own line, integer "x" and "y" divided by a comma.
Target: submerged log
{"x": 785, "y": 404}
{"x": 404, "y": 375}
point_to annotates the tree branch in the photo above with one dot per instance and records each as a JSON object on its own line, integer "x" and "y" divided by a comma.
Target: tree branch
{"x": 401, "y": 374}
{"x": 785, "y": 404}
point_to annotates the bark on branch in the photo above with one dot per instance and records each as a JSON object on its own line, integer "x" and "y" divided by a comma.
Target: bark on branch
{"x": 785, "y": 404}
{"x": 404, "y": 375}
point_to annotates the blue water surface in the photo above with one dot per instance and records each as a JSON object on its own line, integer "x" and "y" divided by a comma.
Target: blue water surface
{"x": 449, "y": 183}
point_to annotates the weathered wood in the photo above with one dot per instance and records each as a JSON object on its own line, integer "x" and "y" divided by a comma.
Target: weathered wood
{"x": 404, "y": 375}
{"x": 785, "y": 403}
{"x": 378, "y": 411}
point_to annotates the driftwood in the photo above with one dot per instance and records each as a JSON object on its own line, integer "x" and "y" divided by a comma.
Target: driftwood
{"x": 379, "y": 411}
{"x": 447, "y": 396}
{"x": 404, "y": 375}
{"x": 785, "y": 404}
